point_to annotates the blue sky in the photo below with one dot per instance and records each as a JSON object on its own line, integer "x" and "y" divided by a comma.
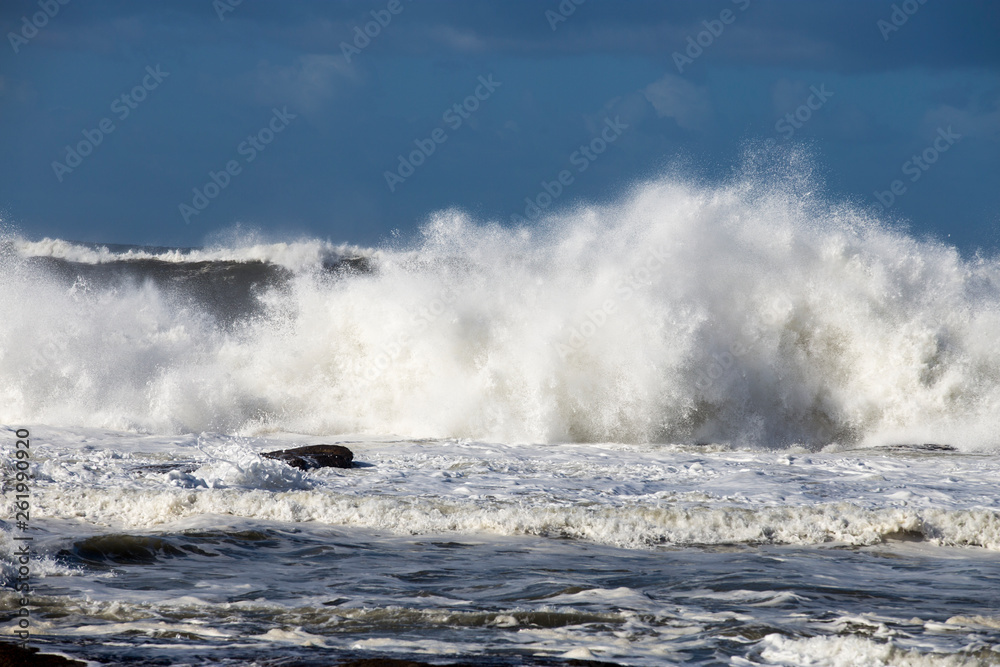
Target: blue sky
{"x": 869, "y": 85}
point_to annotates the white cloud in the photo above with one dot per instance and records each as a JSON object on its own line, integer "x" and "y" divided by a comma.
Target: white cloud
{"x": 981, "y": 123}
{"x": 677, "y": 98}
{"x": 307, "y": 84}
{"x": 462, "y": 41}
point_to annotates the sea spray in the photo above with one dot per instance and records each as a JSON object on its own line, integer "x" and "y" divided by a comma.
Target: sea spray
{"x": 845, "y": 331}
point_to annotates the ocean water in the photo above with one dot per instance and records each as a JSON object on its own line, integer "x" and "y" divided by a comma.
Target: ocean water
{"x": 738, "y": 424}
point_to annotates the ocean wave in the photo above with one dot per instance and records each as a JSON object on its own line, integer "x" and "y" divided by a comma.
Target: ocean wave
{"x": 755, "y": 312}
{"x": 623, "y": 525}
{"x": 298, "y": 256}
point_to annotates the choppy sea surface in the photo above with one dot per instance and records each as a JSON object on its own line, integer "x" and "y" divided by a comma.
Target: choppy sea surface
{"x": 194, "y": 550}
{"x": 728, "y": 425}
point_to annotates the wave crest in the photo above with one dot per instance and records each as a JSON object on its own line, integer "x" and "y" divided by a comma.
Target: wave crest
{"x": 750, "y": 313}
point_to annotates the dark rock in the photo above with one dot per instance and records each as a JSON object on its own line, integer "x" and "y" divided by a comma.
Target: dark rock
{"x": 14, "y": 655}
{"x": 314, "y": 456}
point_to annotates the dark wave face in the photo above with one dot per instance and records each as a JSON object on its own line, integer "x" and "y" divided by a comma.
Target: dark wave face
{"x": 228, "y": 290}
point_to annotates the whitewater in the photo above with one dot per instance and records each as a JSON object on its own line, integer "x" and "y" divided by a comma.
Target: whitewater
{"x": 737, "y": 423}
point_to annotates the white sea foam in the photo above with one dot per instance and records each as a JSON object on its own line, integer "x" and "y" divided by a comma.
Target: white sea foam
{"x": 850, "y": 651}
{"x": 625, "y": 526}
{"x": 635, "y": 497}
{"x": 754, "y": 313}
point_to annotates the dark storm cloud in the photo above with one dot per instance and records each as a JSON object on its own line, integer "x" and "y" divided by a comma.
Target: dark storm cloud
{"x": 892, "y": 89}
{"x": 842, "y": 36}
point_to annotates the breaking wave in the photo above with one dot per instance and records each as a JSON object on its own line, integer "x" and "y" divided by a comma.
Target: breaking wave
{"x": 755, "y": 312}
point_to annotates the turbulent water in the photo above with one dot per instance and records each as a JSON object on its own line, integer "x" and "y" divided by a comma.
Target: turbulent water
{"x": 732, "y": 424}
